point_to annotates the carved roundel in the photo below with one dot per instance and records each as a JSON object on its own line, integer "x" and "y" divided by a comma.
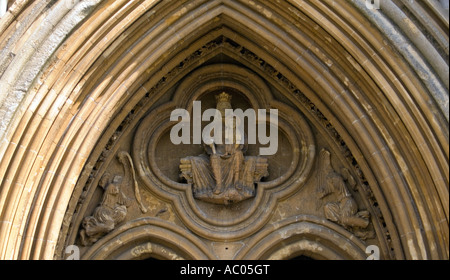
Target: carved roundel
{"x": 223, "y": 191}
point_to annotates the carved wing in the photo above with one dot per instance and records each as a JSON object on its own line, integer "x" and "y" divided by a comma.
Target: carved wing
{"x": 325, "y": 168}
{"x": 128, "y": 166}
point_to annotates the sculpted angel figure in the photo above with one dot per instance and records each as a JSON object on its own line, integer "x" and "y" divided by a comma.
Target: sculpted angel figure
{"x": 342, "y": 208}
{"x": 111, "y": 211}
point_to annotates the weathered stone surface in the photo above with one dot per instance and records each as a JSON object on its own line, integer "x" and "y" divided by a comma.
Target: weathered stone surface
{"x": 87, "y": 87}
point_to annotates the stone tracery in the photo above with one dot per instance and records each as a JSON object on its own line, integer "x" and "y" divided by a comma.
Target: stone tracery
{"x": 77, "y": 105}
{"x": 278, "y": 77}
{"x": 223, "y": 175}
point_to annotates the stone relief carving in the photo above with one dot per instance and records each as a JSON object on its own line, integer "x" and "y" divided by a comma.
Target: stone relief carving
{"x": 239, "y": 204}
{"x": 224, "y": 175}
{"x": 341, "y": 208}
{"x": 113, "y": 206}
{"x": 330, "y": 203}
{"x": 111, "y": 211}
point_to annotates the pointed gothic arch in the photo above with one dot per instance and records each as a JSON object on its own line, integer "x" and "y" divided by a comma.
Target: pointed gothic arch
{"x": 78, "y": 76}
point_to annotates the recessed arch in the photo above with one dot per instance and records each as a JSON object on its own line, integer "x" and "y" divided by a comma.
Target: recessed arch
{"x": 102, "y": 68}
{"x": 149, "y": 238}
{"x": 305, "y": 236}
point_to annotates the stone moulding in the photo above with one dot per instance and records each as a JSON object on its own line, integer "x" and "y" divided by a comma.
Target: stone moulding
{"x": 86, "y": 84}
{"x": 308, "y": 235}
{"x": 304, "y": 235}
{"x": 157, "y": 123}
{"x": 149, "y": 238}
{"x": 212, "y": 228}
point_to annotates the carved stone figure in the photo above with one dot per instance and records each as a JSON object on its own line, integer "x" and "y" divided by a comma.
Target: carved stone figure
{"x": 223, "y": 175}
{"x": 111, "y": 211}
{"x": 342, "y": 208}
